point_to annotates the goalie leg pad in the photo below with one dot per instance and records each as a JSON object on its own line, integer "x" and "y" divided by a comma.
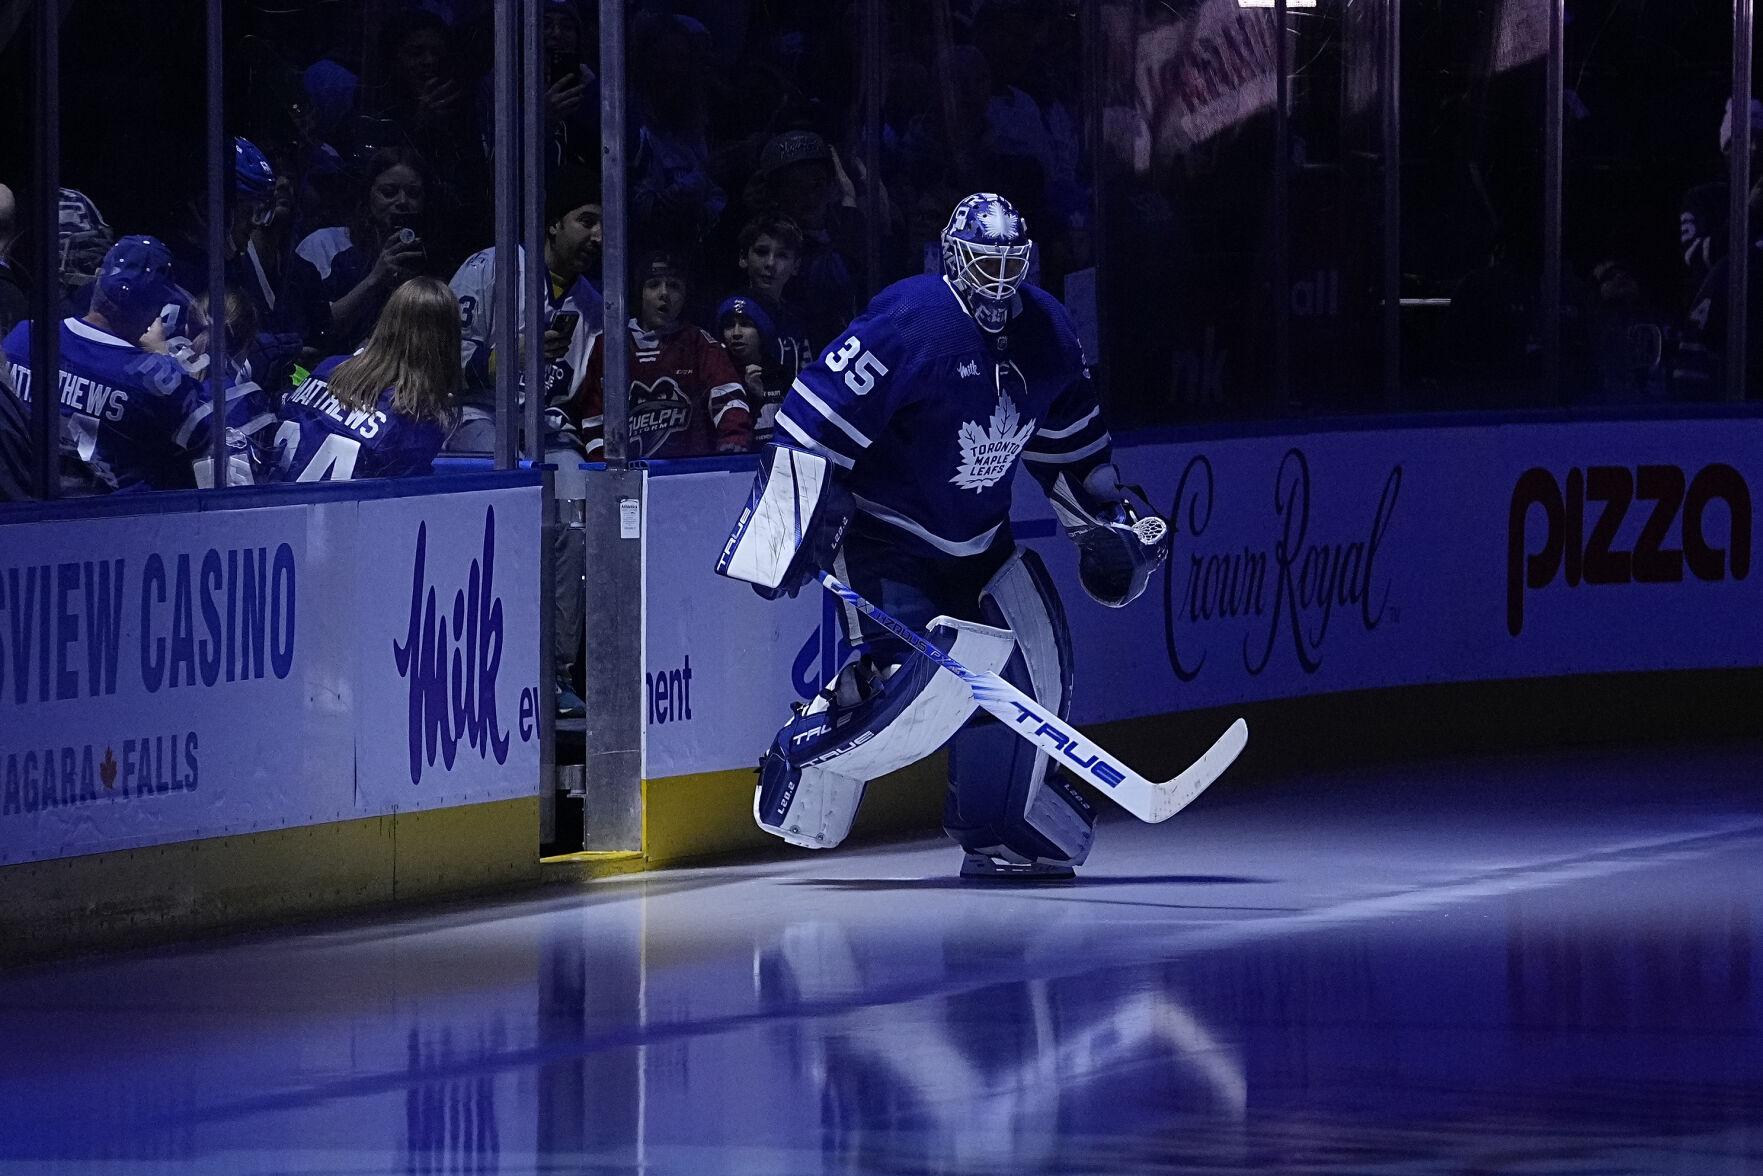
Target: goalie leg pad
{"x": 1006, "y": 800}
{"x": 812, "y": 779}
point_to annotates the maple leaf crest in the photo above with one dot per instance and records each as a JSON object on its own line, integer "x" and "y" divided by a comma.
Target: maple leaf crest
{"x": 988, "y": 453}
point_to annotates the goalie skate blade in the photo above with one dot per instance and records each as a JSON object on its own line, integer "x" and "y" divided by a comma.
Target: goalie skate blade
{"x": 992, "y": 872}
{"x": 1175, "y": 795}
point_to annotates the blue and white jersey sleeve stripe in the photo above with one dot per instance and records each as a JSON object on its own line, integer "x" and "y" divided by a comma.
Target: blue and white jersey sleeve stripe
{"x": 842, "y": 402}
{"x": 1074, "y": 431}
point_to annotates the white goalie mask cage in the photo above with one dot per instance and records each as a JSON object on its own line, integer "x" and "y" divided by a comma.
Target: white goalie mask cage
{"x": 986, "y": 248}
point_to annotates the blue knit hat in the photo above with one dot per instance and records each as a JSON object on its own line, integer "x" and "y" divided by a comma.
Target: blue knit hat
{"x": 741, "y": 306}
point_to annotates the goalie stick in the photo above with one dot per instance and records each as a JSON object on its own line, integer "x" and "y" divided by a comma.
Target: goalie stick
{"x": 1148, "y": 800}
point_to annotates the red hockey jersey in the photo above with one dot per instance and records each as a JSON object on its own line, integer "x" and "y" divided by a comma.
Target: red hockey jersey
{"x": 685, "y": 398}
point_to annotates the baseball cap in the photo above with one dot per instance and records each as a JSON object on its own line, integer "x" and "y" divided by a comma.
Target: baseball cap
{"x": 793, "y": 147}
{"x": 136, "y": 277}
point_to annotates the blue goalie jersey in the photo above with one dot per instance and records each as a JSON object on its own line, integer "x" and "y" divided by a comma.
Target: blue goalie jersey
{"x": 132, "y": 419}
{"x": 321, "y": 440}
{"x": 927, "y": 414}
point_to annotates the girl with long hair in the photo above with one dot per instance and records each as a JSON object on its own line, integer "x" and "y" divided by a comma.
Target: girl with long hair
{"x": 384, "y": 411}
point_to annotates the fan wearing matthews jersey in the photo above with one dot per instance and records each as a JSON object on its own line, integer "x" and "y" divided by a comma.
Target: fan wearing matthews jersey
{"x": 131, "y": 417}
{"x": 383, "y": 412}
{"x": 891, "y": 468}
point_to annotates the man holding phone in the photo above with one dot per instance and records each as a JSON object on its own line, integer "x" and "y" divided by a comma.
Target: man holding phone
{"x": 572, "y": 257}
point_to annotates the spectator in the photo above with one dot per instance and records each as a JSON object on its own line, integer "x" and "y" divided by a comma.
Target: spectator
{"x": 758, "y": 326}
{"x": 573, "y": 238}
{"x": 258, "y": 207}
{"x": 800, "y": 179}
{"x": 383, "y": 412}
{"x": 323, "y": 124}
{"x": 1699, "y": 371}
{"x": 83, "y": 240}
{"x": 346, "y": 273}
{"x": 15, "y": 442}
{"x": 1627, "y": 337}
{"x": 14, "y": 303}
{"x": 674, "y": 201}
{"x": 572, "y": 259}
{"x": 422, "y": 94}
{"x": 685, "y": 397}
{"x": 572, "y": 89}
{"x": 770, "y": 252}
{"x": 1706, "y": 206}
{"x": 749, "y": 335}
{"x": 131, "y": 417}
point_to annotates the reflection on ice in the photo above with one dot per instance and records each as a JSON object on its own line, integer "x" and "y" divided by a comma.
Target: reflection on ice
{"x": 1308, "y": 986}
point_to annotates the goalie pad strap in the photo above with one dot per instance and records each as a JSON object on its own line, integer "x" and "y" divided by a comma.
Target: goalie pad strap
{"x": 812, "y": 779}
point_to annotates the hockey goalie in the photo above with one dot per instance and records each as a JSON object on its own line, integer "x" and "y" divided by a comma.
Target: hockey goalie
{"x": 891, "y": 469}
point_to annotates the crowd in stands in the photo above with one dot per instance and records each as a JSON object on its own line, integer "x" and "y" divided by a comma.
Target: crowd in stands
{"x": 756, "y": 233}
{"x": 362, "y": 175}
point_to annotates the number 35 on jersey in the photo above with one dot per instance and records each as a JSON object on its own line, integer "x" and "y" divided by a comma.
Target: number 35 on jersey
{"x": 862, "y": 369}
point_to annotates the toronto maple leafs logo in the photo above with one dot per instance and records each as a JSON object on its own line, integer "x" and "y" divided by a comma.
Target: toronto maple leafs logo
{"x": 997, "y": 222}
{"x": 988, "y": 453}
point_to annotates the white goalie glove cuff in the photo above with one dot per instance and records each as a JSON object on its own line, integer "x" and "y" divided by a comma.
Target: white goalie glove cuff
{"x": 792, "y": 526}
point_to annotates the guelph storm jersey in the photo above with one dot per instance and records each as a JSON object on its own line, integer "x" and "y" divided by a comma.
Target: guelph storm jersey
{"x": 135, "y": 419}
{"x": 927, "y": 414}
{"x": 685, "y": 399}
{"x": 320, "y": 440}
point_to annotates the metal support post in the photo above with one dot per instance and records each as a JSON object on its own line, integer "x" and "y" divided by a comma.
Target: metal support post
{"x": 612, "y": 781}
{"x": 615, "y": 515}
{"x": 1095, "y": 98}
{"x": 1738, "y": 247}
{"x": 1554, "y": 177}
{"x": 220, "y": 171}
{"x": 45, "y": 205}
{"x": 874, "y": 83}
{"x": 549, "y": 532}
{"x": 615, "y": 280}
{"x": 1282, "y": 211}
{"x": 536, "y": 296}
{"x": 1392, "y": 203}
{"x": 504, "y": 341}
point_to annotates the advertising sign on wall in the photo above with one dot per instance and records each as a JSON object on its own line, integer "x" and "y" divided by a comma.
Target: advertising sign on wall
{"x": 1319, "y": 563}
{"x": 171, "y": 676}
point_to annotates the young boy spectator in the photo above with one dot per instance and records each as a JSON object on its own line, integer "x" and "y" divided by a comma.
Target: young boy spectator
{"x": 131, "y": 418}
{"x": 685, "y": 398}
{"x": 764, "y": 334}
{"x": 770, "y": 254}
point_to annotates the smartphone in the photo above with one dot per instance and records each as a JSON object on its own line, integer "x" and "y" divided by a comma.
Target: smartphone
{"x": 559, "y": 65}
{"x": 564, "y": 322}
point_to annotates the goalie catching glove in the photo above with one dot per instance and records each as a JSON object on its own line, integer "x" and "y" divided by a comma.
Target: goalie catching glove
{"x": 1117, "y": 547}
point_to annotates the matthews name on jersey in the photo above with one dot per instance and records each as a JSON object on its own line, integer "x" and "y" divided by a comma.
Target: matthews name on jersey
{"x": 927, "y": 414}
{"x": 321, "y": 440}
{"x": 135, "y": 419}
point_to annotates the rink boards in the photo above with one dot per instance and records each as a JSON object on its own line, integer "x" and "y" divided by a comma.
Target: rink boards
{"x": 1331, "y": 561}
{"x": 268, "y": 700}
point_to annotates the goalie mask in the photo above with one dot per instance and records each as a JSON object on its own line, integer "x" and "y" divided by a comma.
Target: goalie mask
{"x": 986, "y": 250}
